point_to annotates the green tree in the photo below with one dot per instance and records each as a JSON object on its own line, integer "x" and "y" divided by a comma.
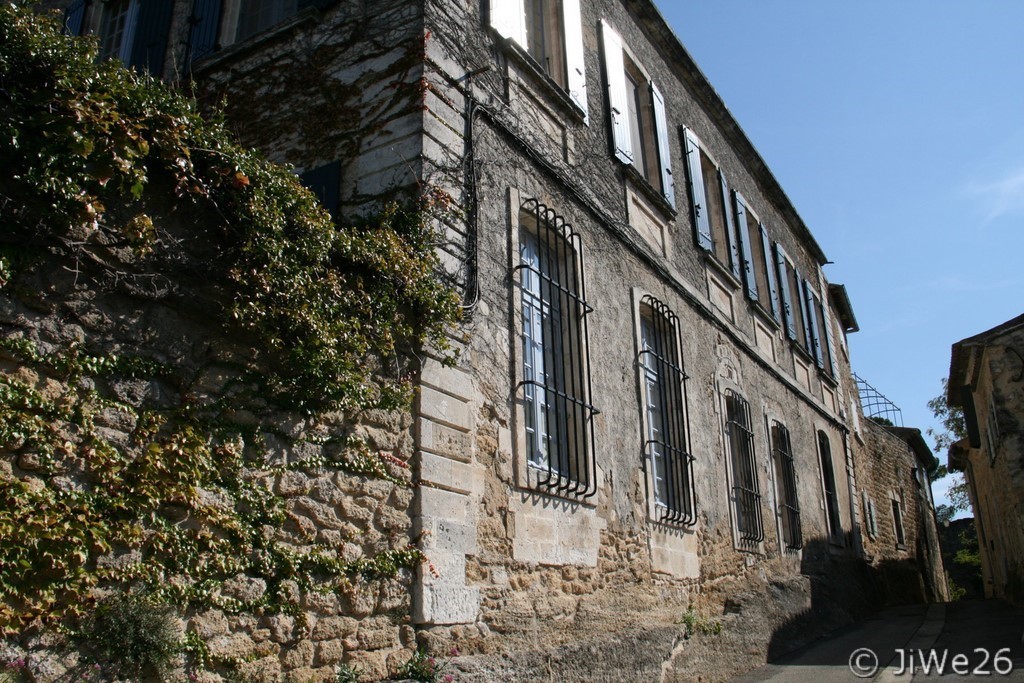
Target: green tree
{"x": 953, "y": 429}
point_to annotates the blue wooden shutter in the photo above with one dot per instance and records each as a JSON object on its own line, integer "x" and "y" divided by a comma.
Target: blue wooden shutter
{"x": 325, "y": 182}
{"x": 150, "y": 43}
{"x": 729, "y": 227}
{"x": 771, "y": 274}
{"x": 74, "y": 17}
{"x": 787, "y": 297}
{"x": 618, "y": 97}
{"x": 746, "y": 251}
{"x": 205, "y": 20}
{"x": 826, "y": 317}
{"x": 701, "y": 219}
{"x": 814, "y": 334}
{"x": 805, "y": 310}
{"x": 668, "y": 183}
{"x": 575, "y": 63}
{"x": 508, "y": 18}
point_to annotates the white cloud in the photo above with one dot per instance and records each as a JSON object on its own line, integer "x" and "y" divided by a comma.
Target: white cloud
{"x": 1001, "y": 197}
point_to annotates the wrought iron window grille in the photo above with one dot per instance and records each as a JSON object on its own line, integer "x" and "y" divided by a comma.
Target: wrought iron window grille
{"x": 789, "y": 504}
{"x": 556, "y": 381}
{"x": 667, "y": 445}
{"x": 746, "y": 490}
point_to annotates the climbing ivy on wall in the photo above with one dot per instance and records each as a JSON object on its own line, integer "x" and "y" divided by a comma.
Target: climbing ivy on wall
{"x": 123, "y": 181}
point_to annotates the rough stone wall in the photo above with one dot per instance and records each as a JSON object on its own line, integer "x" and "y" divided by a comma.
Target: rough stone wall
{"x": 996, "y": 476}
{"x": 365, "y": 623}
{"x": 886, "y": 470}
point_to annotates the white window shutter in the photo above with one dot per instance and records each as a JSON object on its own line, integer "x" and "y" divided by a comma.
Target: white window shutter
{"x": 576, "y": 72}
{"x": 668, "y": 183}
{"x": 701, "y": 219}
{"x": 618, "y": 98}
{"x": 508, "y": 18}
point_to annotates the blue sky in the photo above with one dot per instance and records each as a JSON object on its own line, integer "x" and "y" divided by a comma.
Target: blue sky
{"x": 897, "y": 130}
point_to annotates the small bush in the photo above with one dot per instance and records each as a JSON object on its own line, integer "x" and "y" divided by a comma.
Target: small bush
{"x": 132, "y": 636}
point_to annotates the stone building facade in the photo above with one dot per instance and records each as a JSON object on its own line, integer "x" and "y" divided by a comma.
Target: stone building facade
{"x": 652, "y": 423}
{"x": 900, "y": 532}
{"x": 985, "y": 381}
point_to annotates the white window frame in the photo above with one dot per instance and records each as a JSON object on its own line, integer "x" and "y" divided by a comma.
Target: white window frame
{"x": 123, "y": 49}
{"x": 719, "y": 241}
{"x": 535, "y": 354}
{"x": 508, "y": 19}
{"x": 662, "y": 380}
{"x": 572, "y": 473}
{"x": 788, "y": 512}
{"x": 625, "y": 127}
{"x": 741, "y": 451}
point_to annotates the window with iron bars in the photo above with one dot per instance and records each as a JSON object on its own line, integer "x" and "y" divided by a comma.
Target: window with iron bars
{"x": 666, "y": 447}
{"x": 558, "y": 416}
{"x": 828, "y": 481}
{"x": 746, "y": 491}
{"x": 785, "y": 480}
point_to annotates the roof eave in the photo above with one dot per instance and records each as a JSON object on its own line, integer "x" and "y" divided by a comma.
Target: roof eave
{"x": 683, "y": 63}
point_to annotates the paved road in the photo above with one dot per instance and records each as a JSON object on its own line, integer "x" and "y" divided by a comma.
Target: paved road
{"x": 961, "y": 641}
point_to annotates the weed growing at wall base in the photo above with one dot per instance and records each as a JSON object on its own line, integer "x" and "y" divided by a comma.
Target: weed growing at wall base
{"x": 696, "y": 624}
{"x": 425, "y": 668}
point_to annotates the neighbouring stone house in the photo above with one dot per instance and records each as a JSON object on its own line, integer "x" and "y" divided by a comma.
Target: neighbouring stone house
{"x": 898, "y": 510}
{"x": 986, "y": 381}
{"x": 652, "y": 420}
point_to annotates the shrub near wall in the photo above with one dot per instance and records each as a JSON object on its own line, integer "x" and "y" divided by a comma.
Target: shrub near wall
{"x": 199, "y": 367}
